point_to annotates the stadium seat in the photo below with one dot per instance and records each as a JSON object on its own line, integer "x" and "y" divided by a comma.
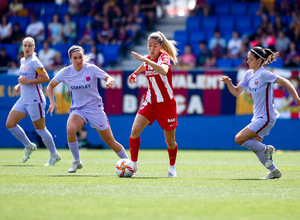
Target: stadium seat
{"x": 180, "y": 48}
{"x": 22, "y": 21}
{"x": 243, "y": 24}
{"x": 62, "y": 48}
{"x": 100, "y": 47}
{"x": 277, "y": 64}
{"x": 193, "y": 23}
{"x": 181, "y": 36}
{"x": 34, "y": 8}
{"x": 196, "y": 36}
{"x": 239, "y": 9}
{"x": 253, "y": 8}
{"x": 226, "y": 22}
{"x": 222, "y": 9}
{"x": 237, "y": 62}
{"x": 48, "y": 9}
{"x": 256, "y": 21}
{"x": 224, "y": 63}
{"x": 11, "y": 50}
{"x": 111, "y": 53}
{"x": 209, "y": 23}
{"x": 63, "y": 9}
{"x": 82, "y": 21}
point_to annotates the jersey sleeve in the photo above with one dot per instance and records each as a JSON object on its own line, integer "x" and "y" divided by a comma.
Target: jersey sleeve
{"x": 165, "y": 59}
{"x": 269, "y": 77}
{"x": 38, "y": 66}
{"x": 99, "y": 73}
{"x": 59, "y": 77}
{"x": 244, "y": 82}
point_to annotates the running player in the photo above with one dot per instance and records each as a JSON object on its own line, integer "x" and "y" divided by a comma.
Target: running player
{"x": 82, "y": 80}
{"x": 32, "y": 102}
{"x": 259, "y": 82}
{"x": 159, "y": 102}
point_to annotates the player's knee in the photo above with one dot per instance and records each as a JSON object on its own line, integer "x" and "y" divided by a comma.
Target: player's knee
{"x": 238, "y": 140}
{"x": 134, "y": 133}
{"x": 171, "y": 144}
{"x": 9, "y": 125}
{"x": 71, "y": 130}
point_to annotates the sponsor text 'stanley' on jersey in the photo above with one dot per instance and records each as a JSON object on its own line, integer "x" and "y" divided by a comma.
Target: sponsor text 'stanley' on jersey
{"x": 30, "y": 68}
{"x": 83, "y": 84}
{"x": 160, "y": 88}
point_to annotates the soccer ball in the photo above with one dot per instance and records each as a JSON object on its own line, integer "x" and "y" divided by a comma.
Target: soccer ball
{"x": 125, "y": 168}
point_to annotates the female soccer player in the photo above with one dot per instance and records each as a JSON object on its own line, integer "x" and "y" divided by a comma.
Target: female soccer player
{"x": 259, "y": 82}
{"x": 81, "y": 78}
{"x": 32, "y": 102}
{"x": 159, "y": 102}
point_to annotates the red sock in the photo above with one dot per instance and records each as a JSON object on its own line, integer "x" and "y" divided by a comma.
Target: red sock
{"x": 172, "y": 155}
{"x": 134, "y": 148}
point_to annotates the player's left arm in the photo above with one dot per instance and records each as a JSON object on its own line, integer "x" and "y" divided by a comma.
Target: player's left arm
{"x": 282, "y": 81}
{"x": 43, "y": 77}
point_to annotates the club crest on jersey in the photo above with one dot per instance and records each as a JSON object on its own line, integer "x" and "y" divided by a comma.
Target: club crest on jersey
{"x": 256, "y": 82}
{"x": 27, "y": 68}
{"x": 88, "y": 78}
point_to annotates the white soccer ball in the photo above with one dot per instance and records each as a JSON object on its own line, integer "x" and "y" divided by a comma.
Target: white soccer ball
{"x": 125, "y": 168}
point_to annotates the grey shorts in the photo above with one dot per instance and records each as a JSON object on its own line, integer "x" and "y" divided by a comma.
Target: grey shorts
{"x": 94, "y": 114}
{"x": 261, "y": 126}
{"x": 36, "y": 111}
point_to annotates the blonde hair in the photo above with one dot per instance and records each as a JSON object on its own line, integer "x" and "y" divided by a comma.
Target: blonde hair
{"x": 29, "y": 39}
{"x": 76, "y": 48}
{"x": 168, "y": 46}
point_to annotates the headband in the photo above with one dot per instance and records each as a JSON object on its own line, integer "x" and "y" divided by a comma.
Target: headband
{"x": 74, "y": 50}
{"x": 257, "y": 54}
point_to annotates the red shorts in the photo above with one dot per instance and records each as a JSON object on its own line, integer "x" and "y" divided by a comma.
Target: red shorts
{"x": 165, "y": 113}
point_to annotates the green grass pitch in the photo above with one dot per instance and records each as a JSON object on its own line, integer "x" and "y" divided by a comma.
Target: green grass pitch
{"x": 210, "y": 185}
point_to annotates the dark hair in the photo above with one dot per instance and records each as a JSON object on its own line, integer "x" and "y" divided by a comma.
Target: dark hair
{"x": 267, "y": 55}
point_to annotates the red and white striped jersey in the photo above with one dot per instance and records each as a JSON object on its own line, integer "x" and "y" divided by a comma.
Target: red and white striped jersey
{"x": 160, "y": 88}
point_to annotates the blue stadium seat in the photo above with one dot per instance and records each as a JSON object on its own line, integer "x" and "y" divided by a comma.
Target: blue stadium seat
{"x": 222, "y": 9}
{"x": 253, "y": 8}
{"x": 62, "y": 48}
{"x": 239, "y": 9}
{"x": 193, "y": 23}
{"x": 181, "y": 36}
{"x": 243, "y": 23}
{"x": 100, "y": 47}
{"x": 48, "y": 9}
{"x": 196, "y": 36}
{"x": 111, "y": 53}
{"x": 237, "y": 62}
{"x": 180, "y": 48}
{"x": 209, "y": 23}
{"x": 63, "y": 9}
{"x": 11, "y": 50}
{"x": 23, "y": 21}
{"x": 34, "y": 8}
{"x": 226, "y": 23}
{"x": 277, "y": 64}
{"x": 256, "y": 21}
{"x": 224, "y": 63}
{"x": 82, "y": 21}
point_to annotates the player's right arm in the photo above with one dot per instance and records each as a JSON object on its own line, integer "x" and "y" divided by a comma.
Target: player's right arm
{"x": 50, "y": 90}
{"x": 132, "y": 77}
{"x": 235, "y": 90}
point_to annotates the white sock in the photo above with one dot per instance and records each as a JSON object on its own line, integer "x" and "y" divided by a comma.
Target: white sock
{"x": 19, "y": 133}
{"x": 254, "y": 145}
{"x": 47, "y": 140}
{"x": 74, "y": 149}
{"x": 122, "y": 154}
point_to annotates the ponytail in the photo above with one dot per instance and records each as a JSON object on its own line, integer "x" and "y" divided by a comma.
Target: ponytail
{"x": 168, "y": 46}
{"x": 267, "y": 55}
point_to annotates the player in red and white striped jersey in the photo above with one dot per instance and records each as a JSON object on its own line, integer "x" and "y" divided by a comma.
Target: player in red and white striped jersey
{"x": 159, "y": 102}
